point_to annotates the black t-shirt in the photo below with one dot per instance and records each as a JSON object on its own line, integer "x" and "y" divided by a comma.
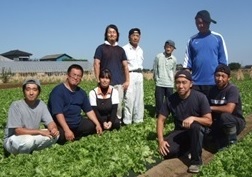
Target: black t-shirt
{"x": 229, "y": 94}
{"x": 196, "y": 104}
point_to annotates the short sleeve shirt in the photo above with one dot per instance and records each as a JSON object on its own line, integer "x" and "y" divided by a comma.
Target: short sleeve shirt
{"x": 21, "y": 115}
{"x": 70, "y": 104}
{"x": 196, "y": 104}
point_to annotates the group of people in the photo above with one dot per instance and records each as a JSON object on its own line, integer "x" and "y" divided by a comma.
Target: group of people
{"x": 118, "y": 71}
{"x": 205, "y": 102}
{"x": 204, "y": 99}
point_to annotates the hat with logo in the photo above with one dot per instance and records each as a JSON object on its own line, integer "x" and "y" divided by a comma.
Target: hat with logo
{"x": 205, "y": 16}
{"x": 170, "y": 42}
{"x": 223, "y": 68}
{"x": 183, "y": 73}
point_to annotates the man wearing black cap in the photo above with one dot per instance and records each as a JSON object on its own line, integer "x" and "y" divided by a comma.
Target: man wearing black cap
{"x": 192, "y": 114}
{"x": 22, "y": 132}
{"x": 164, "y": 69}
{"x": 226, "y": 106}
{"x": 134, "y": 97}
{"x": 204, "y": 52}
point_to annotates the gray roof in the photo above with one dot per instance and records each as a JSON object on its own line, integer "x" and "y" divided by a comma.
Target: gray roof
{"x": 42, "y": 66}
{"x": 16, "y": 53}
{"x": 54, "y": 56}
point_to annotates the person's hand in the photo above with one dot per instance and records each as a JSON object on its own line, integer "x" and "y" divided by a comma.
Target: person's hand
{"x": 187, "y": 122}
{"x": 45, "y": 132}
{"x": 54, "y": 132}
{"x": 98, "y": 129}
{"x": 163, "y": 147}
{"x": 69, "y": 135}
{"x": 105, "y": 125}
{"x": 109, "y": 124}
{"x": 125, "y": 85}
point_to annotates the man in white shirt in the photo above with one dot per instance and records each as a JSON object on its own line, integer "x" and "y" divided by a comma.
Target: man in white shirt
{"x": 133, "y": 101}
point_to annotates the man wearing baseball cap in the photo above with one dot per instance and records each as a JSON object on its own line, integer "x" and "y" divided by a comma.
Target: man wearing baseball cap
{"x": 204, "y": 52}
{"x": 134, "y": 95}
{"x": 164, "y": 69}
{"x": 226, "y": 106}
{"x": 192, "y": 115}
{"x": 22, "y": 132}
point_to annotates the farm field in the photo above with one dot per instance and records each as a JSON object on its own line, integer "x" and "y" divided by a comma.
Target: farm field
{"x": 127, "y": 152}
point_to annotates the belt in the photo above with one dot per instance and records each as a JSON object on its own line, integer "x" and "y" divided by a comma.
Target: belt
{"x": 136, "y": 70}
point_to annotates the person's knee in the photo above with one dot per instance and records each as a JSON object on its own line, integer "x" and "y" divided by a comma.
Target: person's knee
{"x": 16, "y": 146}
{"x": 196, "y": 127}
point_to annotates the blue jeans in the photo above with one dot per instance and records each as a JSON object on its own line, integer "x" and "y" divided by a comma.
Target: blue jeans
{"x": 160, "y": 94}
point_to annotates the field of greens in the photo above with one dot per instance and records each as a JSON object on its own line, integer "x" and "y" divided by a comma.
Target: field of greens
{"x": 127, "y": 152}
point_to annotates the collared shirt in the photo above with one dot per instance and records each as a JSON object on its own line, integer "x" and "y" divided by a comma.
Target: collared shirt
{"x": 164, "y": 69}
{"x": 97, "y": 90}
{"x": 134, "y": 57}
{"x": 115, "y": 44}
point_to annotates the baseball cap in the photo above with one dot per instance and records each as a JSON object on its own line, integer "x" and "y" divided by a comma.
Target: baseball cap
{"x": 134, "y": 30}
{"x": 183, "y": 73}
{"x": 205, "y": 15}
{"x": 223, "y": 68}
{"x": 31, "y": 81}
{"x": 170, "y": 42}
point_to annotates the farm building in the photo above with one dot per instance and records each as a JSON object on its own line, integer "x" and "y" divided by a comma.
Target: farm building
{"x": 17, "y": 55}
{"x": 56, "y": 57}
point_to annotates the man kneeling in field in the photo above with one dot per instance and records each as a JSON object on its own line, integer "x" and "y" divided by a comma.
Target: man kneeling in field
{"x": 226, "y": 106}
{"x": 192, "y": 115}
{"x": 23, "y": 133}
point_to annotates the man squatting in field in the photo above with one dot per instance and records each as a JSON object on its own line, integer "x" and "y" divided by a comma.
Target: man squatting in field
{"x": 23, "y": 133}
{"x": 226, "y": 107}
{"x": 192, "y": 114}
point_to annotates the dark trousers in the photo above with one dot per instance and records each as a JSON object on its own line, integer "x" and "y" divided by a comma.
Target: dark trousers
{"x": 221, "y": 123}
{"x": 85, "y": 128}
{"x": 187, "y": 140}
{"x": 203, "y": 89}
{"x": 160, "y": 94}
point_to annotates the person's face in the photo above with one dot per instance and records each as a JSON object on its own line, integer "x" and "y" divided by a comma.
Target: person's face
{"x": 31, "y": 92}
{"x": 111, "y": 35}
{"x": 202, "y": 26}
{"x": 221, "y": 79}
{"x": 134, "y": 39}
{"x": 104, "y": 82}
{"x": 183, "y": 86}
{"x": 168, "y": 49}
{"x": 74, "y": 77}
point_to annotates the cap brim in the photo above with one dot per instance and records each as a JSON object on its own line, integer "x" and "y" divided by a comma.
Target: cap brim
{"x": 213, "y": 21}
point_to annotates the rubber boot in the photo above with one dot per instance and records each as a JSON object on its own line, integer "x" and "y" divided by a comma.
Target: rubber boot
{"x": 231, "y": 135}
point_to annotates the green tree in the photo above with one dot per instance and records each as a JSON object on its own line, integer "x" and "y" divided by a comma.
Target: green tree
{"x": 234, "y": 66}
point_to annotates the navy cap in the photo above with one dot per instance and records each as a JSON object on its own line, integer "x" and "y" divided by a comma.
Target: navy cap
{"x": 183, "y": 73}
{"x": 223, "y": 68}
{"x": 134, "y": 30}
{"x": 205, "y": 15}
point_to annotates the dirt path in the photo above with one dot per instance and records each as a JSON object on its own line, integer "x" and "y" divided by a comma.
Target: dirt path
{"x": 178, "y": 167}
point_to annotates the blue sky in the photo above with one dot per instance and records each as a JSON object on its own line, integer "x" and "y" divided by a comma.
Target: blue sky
{"x": 77, "y": 27}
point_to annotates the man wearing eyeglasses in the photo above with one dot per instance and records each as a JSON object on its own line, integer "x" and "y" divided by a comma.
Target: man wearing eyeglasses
{"x": 66, "y": 101}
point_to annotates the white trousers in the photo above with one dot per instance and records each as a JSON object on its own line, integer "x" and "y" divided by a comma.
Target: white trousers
{"x": 25, "y": 144}
{"x": 134, "y": 99}
{"x": 120, "y": 90}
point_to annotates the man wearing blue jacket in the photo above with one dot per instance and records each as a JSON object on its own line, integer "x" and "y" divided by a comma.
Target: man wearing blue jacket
{"x": 204, "y": 52}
